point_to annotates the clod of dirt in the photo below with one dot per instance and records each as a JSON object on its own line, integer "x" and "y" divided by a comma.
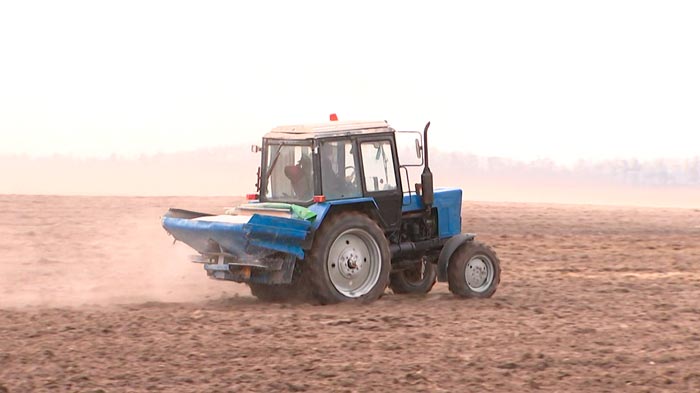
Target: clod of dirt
{"x": 508, "y": 366}
{"x": 339, "y": 322}
{"x": 3, "y": 389}
{"x": 296, "y": 387}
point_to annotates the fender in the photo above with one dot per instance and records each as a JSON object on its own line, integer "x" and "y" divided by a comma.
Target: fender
{"x": 322, "y": 209}
{"x": 447, "y": 251}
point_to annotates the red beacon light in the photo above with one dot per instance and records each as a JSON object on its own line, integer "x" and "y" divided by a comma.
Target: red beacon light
{"x": 252, "y": 197}
{"x": 334, "y": 117}
{"x": 319, "y": 198}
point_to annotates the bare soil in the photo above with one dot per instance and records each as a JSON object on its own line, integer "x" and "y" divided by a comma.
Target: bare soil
{"x": 95, "y": 298}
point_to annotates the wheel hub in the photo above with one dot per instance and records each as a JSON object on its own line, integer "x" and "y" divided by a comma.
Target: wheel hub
{"x": 476, "y": 273}
{"x": 350, "y": 262}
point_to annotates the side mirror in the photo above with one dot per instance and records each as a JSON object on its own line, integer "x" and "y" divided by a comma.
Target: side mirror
{"x": 255, "y": 148}
{"x": 409, "y": 143}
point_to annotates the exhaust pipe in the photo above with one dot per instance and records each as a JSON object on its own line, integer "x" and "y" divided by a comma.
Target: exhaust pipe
{"x": 426, "y": 177}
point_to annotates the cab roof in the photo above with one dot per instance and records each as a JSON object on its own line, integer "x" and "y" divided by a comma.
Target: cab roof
{"x": 329, "y": 129}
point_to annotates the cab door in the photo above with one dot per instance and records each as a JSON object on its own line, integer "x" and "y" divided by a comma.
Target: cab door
{"x": 380, "y": 176}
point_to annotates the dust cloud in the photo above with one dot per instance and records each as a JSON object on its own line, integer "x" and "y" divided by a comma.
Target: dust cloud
{"x": 71, "y": 251}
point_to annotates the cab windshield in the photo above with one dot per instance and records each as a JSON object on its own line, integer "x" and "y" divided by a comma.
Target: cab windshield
{"x": 288, "y": 173}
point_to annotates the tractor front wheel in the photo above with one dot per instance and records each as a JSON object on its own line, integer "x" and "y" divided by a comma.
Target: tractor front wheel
{"x": 474, "y": 271}
{"x": 349, "y": 260}
{"x": 418, "y": 278}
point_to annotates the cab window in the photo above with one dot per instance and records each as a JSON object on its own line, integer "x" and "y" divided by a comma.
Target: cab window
{"x": 290, "y": 173}
{"x": 378, "y": 164}
{"x": 338, "y": 178}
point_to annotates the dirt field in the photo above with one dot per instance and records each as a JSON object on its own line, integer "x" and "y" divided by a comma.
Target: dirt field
{"x": 95, "y": 298}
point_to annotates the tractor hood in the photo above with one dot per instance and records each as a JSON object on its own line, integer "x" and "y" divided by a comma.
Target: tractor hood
{"x": 247, "y": 235}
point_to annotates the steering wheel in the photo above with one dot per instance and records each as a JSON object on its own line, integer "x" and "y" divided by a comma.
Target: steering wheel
{"x": 350, "y": 177}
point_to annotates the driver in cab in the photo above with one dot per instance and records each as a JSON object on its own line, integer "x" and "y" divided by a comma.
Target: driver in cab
{"x": 338, "y": 172}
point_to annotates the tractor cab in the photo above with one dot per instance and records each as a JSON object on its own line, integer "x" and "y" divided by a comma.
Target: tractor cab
{"x": 306, "y": 164}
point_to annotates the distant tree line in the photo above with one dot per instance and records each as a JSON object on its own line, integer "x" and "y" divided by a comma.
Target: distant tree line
{"x": 660, "y": 172}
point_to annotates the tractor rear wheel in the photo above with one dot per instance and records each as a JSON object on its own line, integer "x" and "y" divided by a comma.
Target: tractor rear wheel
{"x": 419, "y": 278}
{"x": 474, "y": 271}
{"x": 349, "y": 260}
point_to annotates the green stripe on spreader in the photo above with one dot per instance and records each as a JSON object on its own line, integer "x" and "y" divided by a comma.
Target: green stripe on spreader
{"x": 302, "y": 213}
{"x": 298, "y": 212}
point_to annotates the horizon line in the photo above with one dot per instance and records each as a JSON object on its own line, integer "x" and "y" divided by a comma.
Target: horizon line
{"x": 146, "y": 155}
{"x": 488, "y": 201}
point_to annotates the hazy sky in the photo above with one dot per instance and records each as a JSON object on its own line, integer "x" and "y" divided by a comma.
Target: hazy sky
{"x": 524, "y": 79}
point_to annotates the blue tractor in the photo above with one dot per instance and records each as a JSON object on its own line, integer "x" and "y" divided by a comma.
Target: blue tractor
{"x": 332, "y": 222}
